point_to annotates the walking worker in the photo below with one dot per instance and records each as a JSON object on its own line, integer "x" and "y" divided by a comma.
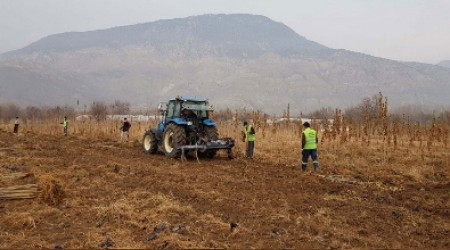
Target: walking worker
{"x": 249, "y": 137}
{"x": 125, "y": 128}
{"x": 65, "y": 125}
{"x": 16, "y": 125}
{"x": 309, "y": 146}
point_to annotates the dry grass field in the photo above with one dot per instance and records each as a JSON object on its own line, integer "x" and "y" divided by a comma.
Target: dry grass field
{"x": 89, "y": 190}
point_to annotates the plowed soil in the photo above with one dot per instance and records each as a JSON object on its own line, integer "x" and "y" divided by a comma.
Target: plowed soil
{"x": 105, "y": 194}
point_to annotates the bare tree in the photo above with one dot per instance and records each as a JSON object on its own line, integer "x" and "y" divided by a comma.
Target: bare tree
{"x": 33, "y": 113}
{"x": 69, "y": 112}
{"x": 223, "y": 115}
{"x": 9, "y": 111}
{"x": 52, "y": 113}
{"x": 367, "y": 104}
{"x": 120, "y": 108}
{"x": 322, "y": 113}
{"x": 99, "y": 110}
{"x": 415, "y": 113}
{"x": 445, "y": 116}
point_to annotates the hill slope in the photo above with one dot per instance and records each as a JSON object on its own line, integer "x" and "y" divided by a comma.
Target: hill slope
{"x": 445, "y": 64}
{"x": 235, "y": 60}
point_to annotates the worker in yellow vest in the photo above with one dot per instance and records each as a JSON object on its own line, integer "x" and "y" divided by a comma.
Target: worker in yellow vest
{"x": 249, "y": 137}
{"x": 309, "y": 146}
{"x": 65, "y": 124}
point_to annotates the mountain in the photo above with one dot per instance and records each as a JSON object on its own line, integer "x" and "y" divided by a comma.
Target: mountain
{"x": 230, "y": 35}
{"x": 234, "y": 60}
{"x": 445, "y": 64}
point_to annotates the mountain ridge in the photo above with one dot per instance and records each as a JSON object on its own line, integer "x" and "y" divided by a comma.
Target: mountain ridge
{"x": 197, "y": 29}
{"x": 234, "y": 60}
{"x": 445, "y": 64}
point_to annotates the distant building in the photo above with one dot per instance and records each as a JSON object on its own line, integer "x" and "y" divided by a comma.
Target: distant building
{"x": 139, "y": 118}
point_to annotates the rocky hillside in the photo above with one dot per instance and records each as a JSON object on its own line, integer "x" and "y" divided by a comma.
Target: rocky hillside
{"x": 445, "y": 64}
{"x": 234, "y": 60}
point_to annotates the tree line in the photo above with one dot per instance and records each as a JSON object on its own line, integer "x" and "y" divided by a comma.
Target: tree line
{"x": 367, "y": 107}
{"x": 98, "y": 109}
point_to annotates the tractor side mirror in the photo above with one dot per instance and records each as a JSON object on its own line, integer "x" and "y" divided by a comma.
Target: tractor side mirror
{"x": 162, "y": 107}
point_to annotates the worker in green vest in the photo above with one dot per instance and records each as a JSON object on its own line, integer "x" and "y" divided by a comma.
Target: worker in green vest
{"x": 249, "y": 137}
{"x": 65, "y": 125}
{"x": 309, "y": 146}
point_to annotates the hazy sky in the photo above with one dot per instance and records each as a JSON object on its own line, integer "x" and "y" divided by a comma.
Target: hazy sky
{"x": 406, "y": 30}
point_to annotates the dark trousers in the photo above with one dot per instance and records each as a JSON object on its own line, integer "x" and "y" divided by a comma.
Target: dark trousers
{"x": 16, "y": 128}
{"x": 305, "y": 156}
{"x": 65, "y": 131}
{"x": 250, "y": 148}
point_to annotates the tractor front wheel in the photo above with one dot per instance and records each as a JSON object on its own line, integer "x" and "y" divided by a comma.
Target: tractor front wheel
{"x": 212, "y": 134}
{"x": 174, "y": 137}
{"x": 150, "y": 143}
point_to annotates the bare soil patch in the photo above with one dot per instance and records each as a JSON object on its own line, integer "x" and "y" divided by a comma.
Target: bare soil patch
{"x": 104, "y": 194}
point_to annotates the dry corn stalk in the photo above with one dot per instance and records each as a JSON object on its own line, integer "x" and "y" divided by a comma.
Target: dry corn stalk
{"x": 344, "y": 131}
{"x": 337, "y": 123}
{"x": 366, "y": 124}
{"x": 395, "y": 132}
{"x": 325, "y": 128}
{"x": 445, "y": 136}
{"x": 431, "y": 133}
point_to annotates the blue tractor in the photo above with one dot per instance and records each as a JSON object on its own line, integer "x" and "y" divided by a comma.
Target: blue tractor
{"x": 185, "y": 126}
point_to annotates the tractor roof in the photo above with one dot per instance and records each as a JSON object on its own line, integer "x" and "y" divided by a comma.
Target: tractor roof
{"x": 188, "y": 98}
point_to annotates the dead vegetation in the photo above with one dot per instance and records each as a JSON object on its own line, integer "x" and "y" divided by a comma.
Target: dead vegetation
{"x": 52, "y": 191}
{"x": 382, "y": 185}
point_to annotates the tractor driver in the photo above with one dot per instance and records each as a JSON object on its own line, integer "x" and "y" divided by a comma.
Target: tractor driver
{"x": 187, "y": 113}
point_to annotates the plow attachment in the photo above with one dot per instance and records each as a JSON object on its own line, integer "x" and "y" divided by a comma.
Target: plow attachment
{"x": 210, "y": 146}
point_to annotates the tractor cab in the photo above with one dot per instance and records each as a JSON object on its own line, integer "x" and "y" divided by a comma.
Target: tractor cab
{"x": 185, "y": 111}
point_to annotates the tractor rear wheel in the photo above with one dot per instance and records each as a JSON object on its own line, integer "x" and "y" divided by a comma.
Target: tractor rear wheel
{"x": 150, "y": 143}
{"x": 174, "y": 137}
{"x": 212, "y": 134}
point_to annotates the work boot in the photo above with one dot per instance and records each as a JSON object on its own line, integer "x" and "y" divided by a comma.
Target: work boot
{"x": 316, "y": 167}
{"x": 303, "y": 167}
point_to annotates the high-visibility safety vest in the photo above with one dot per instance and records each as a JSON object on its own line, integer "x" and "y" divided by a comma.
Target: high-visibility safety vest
{"x": 310, "y": 138}
{"x": 248, "y": 136}
{"x": 65, "y": 123}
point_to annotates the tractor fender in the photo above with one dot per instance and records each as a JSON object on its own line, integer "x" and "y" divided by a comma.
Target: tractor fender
{"x": 178, "y": 121}
{"x": 159, "y": 131}
{"x": 209, "y": 123}
{"x": 155, "y": 132}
